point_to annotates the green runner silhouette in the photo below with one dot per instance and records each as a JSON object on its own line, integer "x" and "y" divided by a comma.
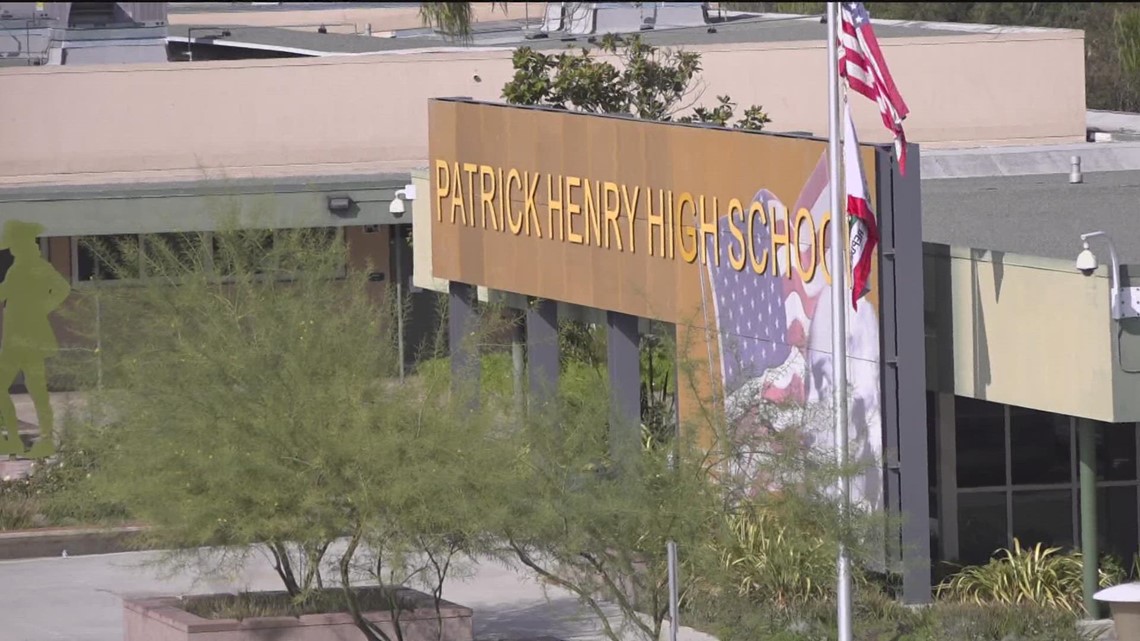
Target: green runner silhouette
{"x": 31, "y": 290}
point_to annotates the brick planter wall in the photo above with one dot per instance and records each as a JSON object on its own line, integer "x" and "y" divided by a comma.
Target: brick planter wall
{"x": 163, "y": 619}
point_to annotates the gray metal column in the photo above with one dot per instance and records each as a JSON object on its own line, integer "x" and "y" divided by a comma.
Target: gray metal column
{"x": 624, "y": 360}
{"x": 542, "y": 350}
{"x": 518, "y": 364}
{"x": 462, "y": 342}
{"x": 1086, "y": 448}
{"x": 904, "y": 367}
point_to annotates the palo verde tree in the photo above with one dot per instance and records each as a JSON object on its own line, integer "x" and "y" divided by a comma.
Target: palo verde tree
{"x": 251, "y": 403}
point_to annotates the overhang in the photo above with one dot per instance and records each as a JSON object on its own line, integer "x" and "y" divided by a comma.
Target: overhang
{"x": 205, "y": 205}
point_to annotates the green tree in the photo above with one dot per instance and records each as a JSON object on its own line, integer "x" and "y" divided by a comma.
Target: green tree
{"x": 1110, "y": 82}
{"x": 453, "y": 19}
{"x": 251, "y": 400}
{"x": 647, "y": 82}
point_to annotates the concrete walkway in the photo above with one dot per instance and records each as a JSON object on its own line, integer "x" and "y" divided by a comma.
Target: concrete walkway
{"x": 79, "y": 599}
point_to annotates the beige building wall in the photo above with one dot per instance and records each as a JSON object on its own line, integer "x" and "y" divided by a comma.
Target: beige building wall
{"x": 352, "y": 114}
{"x": 1026, "y": 331}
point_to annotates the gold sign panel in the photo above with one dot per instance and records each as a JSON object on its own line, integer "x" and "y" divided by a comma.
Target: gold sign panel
{"x": 615, "y": 213}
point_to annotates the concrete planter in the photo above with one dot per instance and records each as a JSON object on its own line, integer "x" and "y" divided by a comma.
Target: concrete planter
{"x": 163, "y": 619}
{"x": 1124, "y": 602}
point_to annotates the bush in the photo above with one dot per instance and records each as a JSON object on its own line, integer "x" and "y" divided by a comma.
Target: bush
{"x": 262, "y": 411}
{"x": 880, "y": 618}
{"x": 58, "y": 492}
{"x": 1043, "y": 577}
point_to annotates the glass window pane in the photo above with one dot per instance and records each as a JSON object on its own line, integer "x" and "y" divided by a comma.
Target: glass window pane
{"x": 174, "y": 252}
{"x": 981, "y": 525}
{"x": 1116, "y": 451}
{"x": 1044, "y": 516}
{"x": 932, "y": 439}
{"x": 1116, "y": 522}
{"x": 935, "y": 529}
{"x": 1040, "y": 447}
{"x": 980, "y": 437}
{"x": 102, "y": 257}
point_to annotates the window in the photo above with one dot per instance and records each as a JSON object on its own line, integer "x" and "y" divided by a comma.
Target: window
{"x": 1116, "y": 521}
{"x": 932, "y": 440}
{"x": 105, "y": 257}
{"x": 1116, "y": 452}
{"x": 1040, "y": 447}
{"x": 981, "y": 525}
{"x": 980, "y": 442}
{"x": 265, "y": 251}
{"x": 127, "y": 256}
{"x": 1018, "y": 478}
{"x": 1044, "y": 516}
{"x": 173, "y": 251}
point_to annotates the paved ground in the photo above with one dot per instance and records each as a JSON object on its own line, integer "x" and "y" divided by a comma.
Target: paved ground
{"x": 79, "y": 599}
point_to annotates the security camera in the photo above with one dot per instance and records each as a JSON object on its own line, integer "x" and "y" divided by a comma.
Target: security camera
{"x": 1086, "y": 260}
{"x": 396, "y": 207}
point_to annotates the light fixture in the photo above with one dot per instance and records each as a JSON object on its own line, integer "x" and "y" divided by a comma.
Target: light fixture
{"x": 1125, "y": 302}
{"x": 340, "y": 205}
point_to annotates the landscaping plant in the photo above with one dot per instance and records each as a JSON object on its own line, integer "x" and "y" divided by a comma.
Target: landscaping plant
{"x": 256, "y": 406}
{"x": 1042, "y": 576}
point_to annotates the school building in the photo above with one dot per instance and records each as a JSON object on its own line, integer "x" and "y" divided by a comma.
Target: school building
{"x": 285, "y": 124}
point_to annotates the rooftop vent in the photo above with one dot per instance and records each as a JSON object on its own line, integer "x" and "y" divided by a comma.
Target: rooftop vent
{"x": 92, "y": 14}
{"x": 588, "y": 18}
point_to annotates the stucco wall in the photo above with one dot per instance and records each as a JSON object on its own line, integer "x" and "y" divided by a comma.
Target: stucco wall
{"x": 1022, "y": 330}
{"x": 358, "y": 114}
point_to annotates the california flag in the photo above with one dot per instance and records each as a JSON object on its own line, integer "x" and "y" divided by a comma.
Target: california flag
{"x": 860, "y": 219}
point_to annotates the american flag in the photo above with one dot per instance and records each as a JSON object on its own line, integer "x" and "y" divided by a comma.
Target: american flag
{"x": 861, "y": 63}
{"x": 763, "y": 319}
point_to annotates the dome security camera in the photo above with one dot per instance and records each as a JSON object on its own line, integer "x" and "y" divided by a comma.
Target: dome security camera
{"x": 396, "y": 207}
{"x": 1086, "y": 260}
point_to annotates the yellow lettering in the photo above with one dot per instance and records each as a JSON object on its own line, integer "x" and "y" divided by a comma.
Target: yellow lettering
{"x": 532, "y": 205}
{"x": 487, "y": 196}
{"x": 611, "y": 213}
{"x": 670, "y": 242}
{"x": 688, "y": 254}
{"x": 553, "y": 206}
{"x": 593, "y": 212}
{"x": 780, "y": 240}
{"x": 806, "y": 274}
{"x": 516, "y": 224}
{"x": 457, "y": 197}
{"x": 631, "y": 210}
{"x": 754, "y": 210}
{"x": 442, "y": 187}
{"x": 470, "y": 169}
{"x": 572, "y": 209}
{"x": 501, "y": 189}
{"x": 655, "y": 220}
{"x": 734, "y": 259}
{"x": 708, "y": 229}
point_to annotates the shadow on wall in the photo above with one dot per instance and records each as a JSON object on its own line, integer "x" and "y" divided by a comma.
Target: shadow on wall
{"x": 981, "y": 347}
{"x": 940, "y": 314}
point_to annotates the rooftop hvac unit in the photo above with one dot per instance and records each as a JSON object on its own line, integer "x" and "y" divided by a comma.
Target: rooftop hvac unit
{"x": 588, "y": 18}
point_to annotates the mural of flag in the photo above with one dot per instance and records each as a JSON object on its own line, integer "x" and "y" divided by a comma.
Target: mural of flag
{"x": 864, "y": 231}
{"x": 861, "y": 63}
{"x": 763, "y": 320}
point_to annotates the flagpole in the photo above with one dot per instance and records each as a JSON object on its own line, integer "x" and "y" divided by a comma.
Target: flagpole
{"x": 839, "y": 317}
